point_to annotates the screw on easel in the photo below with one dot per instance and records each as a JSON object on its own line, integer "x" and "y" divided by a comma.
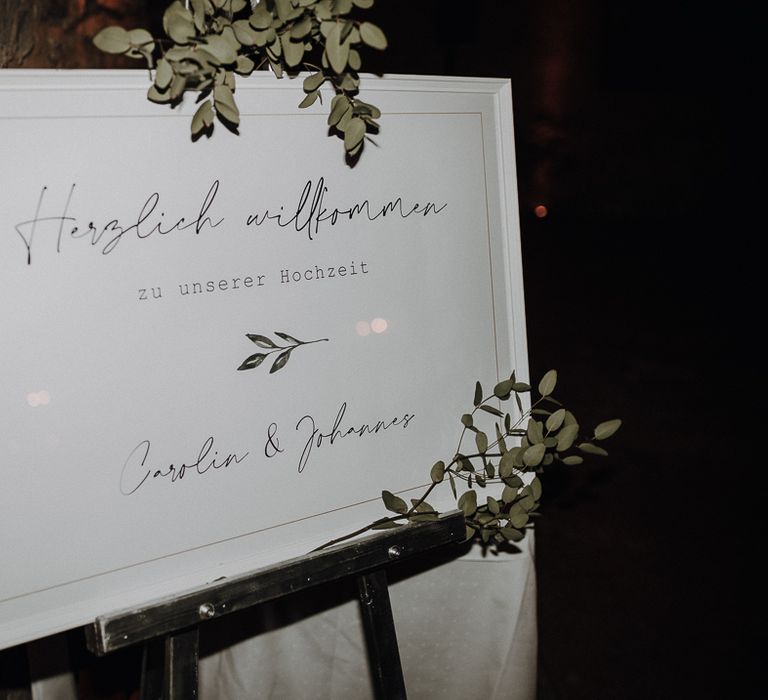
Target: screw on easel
{"x": 394, "y": 551}
{"x": 206, "y": 611}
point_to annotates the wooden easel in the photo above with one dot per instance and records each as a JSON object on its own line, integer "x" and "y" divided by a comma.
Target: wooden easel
{"x": 169, "y": 628}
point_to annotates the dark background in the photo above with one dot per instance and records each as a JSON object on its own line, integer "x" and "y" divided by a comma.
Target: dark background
{"x": 633, "y": 128}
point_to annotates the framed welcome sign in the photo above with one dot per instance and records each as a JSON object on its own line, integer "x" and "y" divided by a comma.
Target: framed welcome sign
{"x": 215, "y": 355}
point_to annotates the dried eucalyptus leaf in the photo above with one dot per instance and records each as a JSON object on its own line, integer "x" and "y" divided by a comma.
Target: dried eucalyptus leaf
{"x": 309, "y": 100}
{"x": 573, "y": 460}
{"x": 468, "y": 503}
{"x": 261, "y": 17}
{"x": 163, "y": 75}
{"x": 555, "y": 420}
{"x": 589, "y": 448}
{"x": 225, "y": 104}
{"x": 355, "y": 60}
{"x": 437, "y": 473}
{"x": 293, "y": 51}
{"x": 354, "y": 133}
{"x": 393, "y": 503}
{"x": 204, "y": 118}
{"x": 373, "y": 36}
{"x": 244, "y": 65}
{"x": 336, "y": 50}
{"x": 220, "y": 49}
{"x": 481, "y": 440}
{"x": 313, "y": 82}
{"x": 533, "y": 455}
{"x": 244, "y": 32}
{"x": 478, "y": 398}
{"x": 607, "y": 428}
{"x": 548, "y": 383}
{"x": 566, "y": 436}
{"x": 113, "y": 40}
{"x": 301, "y": 28}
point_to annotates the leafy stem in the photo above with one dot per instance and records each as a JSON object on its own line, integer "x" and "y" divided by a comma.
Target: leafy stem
{"x": 503, "y": 517}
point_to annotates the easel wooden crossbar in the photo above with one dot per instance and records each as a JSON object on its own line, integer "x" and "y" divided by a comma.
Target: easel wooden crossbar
{"x": 170, "y": 627}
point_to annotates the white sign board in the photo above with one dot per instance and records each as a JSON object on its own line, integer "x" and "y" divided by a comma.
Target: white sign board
{"x": 137, "y": 460}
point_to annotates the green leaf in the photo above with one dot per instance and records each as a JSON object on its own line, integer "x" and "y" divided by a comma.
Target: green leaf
{"x": 225, "y": 104}
{"x": 555, "y": 420}
{"x": 364, "y": 4}
{"x": 493, "y": 505}
{"x": 467, "y": 421}
{"x": 354, "y": 133}
{"x": 394, "y": 503}
{"x": 301, "y": 28}
{"x": 437, "y": 473}
{"x": 244, "y": 32}
{"x": 548, "y": 383}
{"x": 533, "y": 455}
{"x": 385, "y": 525}
{"x": 478, "y": 394}
{"x": 244, "y": 65}
{"x": 337, "y": 50}
{"x": 220, "y": 49}
{"x": 339, "y": 107}
{"x": 492, "y": 410}
{"x": 573, "y": 460}
{"x": 566, "y": 436}
{"x": 198, "y": 14}
{"x": 261, "y": 17}
{"x": 260, "y": 340}
{"x": 252, "y": 361}
{"x": 509, "y": 494}
{"x": 163, "y": 74}
{"x": 512, "y": 534}
{"x": 280, "y": 362}
{"x": 607, "y": 428}
{"x": 314, "y": 81}
{"x": 309, "y": 100}
{"x": 518, "y": 516}
{"x": 204, "y": 118}
{"x": 355, "y": 61}
{"x": 468, "y": 503}
{"x": 179, "y": 24}
{"x": 481, "y": 440}
{"x": 535, "y": 432}
{"x": 520, "y": 387}
{"x": 293, "y": 51}
{"x": 589, "y": 448}
{"x": 503, "y": 389}
{"x": 507, "y": 465}
{"x": 113, "y": 40}
{"x": 535, "y": 486}
{"x": 373, "y": 36}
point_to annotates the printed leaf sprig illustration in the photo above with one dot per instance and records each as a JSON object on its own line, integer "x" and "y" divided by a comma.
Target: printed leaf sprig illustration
{"x": 210, "y": 42}
{"x": 546, "y": 433}
{"x": 271, "y": 347}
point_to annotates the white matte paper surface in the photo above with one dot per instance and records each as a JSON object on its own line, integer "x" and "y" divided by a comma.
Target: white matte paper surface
{"x": 137, "y": 460}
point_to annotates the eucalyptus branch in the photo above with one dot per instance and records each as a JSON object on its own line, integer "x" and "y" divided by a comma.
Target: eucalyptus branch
{"x": 211, "y": 41}
{"x": 504, "y": 517}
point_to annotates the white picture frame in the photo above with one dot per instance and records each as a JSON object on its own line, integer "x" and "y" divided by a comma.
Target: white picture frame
{"x": 138, "y": 462}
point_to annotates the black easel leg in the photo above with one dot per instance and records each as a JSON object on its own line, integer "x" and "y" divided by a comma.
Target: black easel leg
{"x": 380, "y": 636}
{"x": 152, "y": 661}
{"x": 181, "y": 657}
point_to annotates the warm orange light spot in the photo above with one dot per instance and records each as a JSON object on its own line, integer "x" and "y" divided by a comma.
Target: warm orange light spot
{"x": 541, "y": 211}
{"x": 379, "y": 325}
